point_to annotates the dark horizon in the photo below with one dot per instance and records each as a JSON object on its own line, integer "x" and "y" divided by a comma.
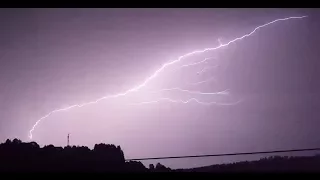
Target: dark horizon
{"x": 18, "y": 156}
{"x": 54, "y": 58}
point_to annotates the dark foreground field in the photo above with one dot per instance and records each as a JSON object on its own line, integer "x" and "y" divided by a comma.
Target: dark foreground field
{"x": 16, "y": 156}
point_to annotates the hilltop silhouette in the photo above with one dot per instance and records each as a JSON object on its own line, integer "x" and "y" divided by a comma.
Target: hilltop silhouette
{"x": 17, "y": 156}
{"x": 29, "y": 157}
{"x": 268, "y": 164}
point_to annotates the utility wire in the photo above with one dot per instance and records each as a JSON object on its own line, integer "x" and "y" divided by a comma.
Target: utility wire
{"x": 229, "y": 154}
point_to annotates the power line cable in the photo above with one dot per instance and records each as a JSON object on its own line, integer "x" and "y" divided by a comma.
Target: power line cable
{"x": 229, "y": 154}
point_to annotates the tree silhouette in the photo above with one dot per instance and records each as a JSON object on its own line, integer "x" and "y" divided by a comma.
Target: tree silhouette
{"x": 18, "y": 156}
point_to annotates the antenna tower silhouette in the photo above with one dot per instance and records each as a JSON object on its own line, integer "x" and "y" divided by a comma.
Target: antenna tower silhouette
{"x": 68, "y": 142}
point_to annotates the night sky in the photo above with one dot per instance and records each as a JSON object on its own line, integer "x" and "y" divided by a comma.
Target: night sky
{"x": 54, "y": 58}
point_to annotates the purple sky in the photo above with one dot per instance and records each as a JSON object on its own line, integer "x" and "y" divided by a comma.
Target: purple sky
{"x": 54, "y": 58}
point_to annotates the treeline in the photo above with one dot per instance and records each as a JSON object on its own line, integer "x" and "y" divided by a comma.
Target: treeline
{"x": 17, "y": 156}
{"x": 269, "y": 164}
{"x": 30, "y": 157}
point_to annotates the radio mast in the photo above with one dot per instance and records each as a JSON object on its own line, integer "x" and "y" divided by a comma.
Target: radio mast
{"x": 68, "y": 140}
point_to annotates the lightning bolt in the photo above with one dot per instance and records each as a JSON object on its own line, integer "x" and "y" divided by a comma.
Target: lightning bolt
{"x": 219, "y": 40}
{"x": 186, "y": 102}
{"x": 201, "y": 82}
{"x": 225, "y": 92}
{"x": 205, "y": 69}
{"x": 157, "y": 72}
{"x": 196, "y": 63}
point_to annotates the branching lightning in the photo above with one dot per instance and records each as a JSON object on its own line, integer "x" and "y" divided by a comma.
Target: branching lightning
{"x": 219, "y": 40}
{"x": 185, "y": 102}
{"x": 206, "y": 68}
{"x": 225, "y": 92}
{"x": 196, "y": 63}
{"x": 157, "y": 72}
{"x": 201, "y": 82}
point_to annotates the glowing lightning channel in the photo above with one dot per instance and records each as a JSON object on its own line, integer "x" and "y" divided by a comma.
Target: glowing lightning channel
{"x": 196, "y": 63}
{"x": 225, "y": 92}
{"x": 219, "y": 40}
{"x": 185, "y": 102}
{"x": 206, "y": 68}
{"x": 201, "y": 82}
{"x": 155, "y": 74}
